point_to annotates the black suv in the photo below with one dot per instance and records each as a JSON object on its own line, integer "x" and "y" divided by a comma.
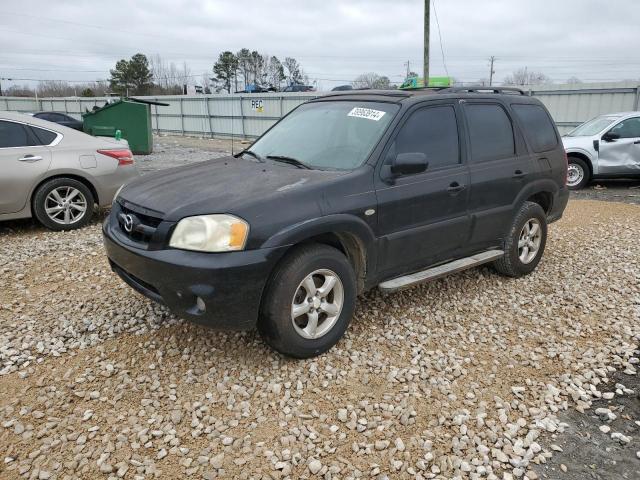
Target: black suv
{"x": 347, "y": 192}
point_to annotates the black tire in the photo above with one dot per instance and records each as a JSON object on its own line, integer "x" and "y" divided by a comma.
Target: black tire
{"x": 40, "y": 202}
{"x": 510, "y": 264}
{"x": 581, "y": 165}
{"x": 276, "y": 325}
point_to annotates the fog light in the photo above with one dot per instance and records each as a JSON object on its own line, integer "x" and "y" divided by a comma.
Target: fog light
{"x": 200, "y": 304}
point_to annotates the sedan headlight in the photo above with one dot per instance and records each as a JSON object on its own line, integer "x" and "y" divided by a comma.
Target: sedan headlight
{"x": 210, "y": 233}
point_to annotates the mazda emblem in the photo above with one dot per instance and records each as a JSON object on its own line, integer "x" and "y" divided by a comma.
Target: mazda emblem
{"x": 128, "y": 223}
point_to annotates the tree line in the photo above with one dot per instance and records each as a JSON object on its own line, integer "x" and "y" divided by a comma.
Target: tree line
{"x": 238, "y": 71}
{"x": 232, "y": 72}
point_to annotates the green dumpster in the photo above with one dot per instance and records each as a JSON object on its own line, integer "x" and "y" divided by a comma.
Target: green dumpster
{"x": 131, "y": 116}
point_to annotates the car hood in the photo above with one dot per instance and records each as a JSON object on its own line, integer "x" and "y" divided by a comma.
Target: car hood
{"x": 577, "y": 142}
{"x": 224, "y": 185}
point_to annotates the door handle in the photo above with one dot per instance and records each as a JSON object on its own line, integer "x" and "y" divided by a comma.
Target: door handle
{"x": 455, "y": 187}
{"x": 637, "y": 142}
{"x": 30, "y": 158}
{"x": 518, "y": 174}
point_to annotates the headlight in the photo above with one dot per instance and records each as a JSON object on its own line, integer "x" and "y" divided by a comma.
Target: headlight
{"x": 210, "y": 233}
{"x": 115, "y": 197}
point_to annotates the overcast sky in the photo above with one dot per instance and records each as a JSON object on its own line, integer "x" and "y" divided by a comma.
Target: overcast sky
{"x": 334, "y": 40}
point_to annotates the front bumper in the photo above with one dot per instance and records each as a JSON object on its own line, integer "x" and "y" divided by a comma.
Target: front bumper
{"x": 220, "y": 290}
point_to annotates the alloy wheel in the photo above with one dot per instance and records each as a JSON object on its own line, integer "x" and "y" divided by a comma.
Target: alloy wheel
{"x": 529, "y": 240}
{"x": 317, "y": 304}
{"x": 65, "y": 205}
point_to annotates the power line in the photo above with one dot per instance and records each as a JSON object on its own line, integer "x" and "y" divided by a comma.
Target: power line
{"x": 435, "y": 14}
{"x": 86, "y": 25}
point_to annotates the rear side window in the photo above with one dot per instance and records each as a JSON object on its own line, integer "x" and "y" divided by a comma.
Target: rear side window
{"x": 45, "y": 116}
{"x": 490, "y": 132}
{"x": 44, "y": 137}
{"x": 538, "y": 127}
{"x": 434, "y": 132}
{"x": 13, "y": 135}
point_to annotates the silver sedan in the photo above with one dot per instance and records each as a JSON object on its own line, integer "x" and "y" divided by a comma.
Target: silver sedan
{"x": 57, "y": 174}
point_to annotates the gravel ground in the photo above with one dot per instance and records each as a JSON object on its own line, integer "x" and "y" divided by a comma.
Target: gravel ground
{"x": 172, "y": 151}
{"x": 621, "y": 190}
{"x": 466, "y": 377}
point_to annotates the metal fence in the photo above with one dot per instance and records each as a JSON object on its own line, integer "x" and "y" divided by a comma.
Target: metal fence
{"x": 248, "y": 116}
{"x": 245, "y": 116}
{"x": 570, "y": 105}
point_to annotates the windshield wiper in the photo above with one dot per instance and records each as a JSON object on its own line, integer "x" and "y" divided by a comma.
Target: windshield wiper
{"x": 251, "y": 153}
{"x": 289, "y": 160}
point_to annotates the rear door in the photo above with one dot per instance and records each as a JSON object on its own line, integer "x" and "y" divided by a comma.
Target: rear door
{"x": 422, "y": 218}
{"x": 543, "y": 139}
{"x": 24, "y": 159}
{"x": 621, "y": 156}
{"x": 499, "y": 167}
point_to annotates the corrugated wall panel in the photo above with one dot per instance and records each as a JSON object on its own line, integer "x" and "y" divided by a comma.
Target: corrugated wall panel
{"x": 238, "y": 115}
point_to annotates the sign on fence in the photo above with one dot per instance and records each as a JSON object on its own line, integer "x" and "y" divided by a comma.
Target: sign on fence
{"x": 257, "y": 105}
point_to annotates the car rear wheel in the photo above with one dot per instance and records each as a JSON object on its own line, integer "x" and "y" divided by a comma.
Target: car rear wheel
{"x": 525, "y": 242}
{"x": 309, "y": 302}
{"x": 577, "y": 173}
{"x": 63, "y": 204}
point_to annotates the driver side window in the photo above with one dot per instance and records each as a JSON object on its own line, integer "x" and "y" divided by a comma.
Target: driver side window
{"x": 432, "y": 131}
{"x": 629, "y": 128}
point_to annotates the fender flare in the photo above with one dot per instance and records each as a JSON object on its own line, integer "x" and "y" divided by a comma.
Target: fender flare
{"x": 591, "y": 161}
{"x": 336, "y": 224}
{"x": 544, "y": 185}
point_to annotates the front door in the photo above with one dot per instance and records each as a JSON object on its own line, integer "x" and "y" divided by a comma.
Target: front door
{"x": 622, "y": 155}
{"x": 22, "y": 163}
{"x": 422, "y": 218}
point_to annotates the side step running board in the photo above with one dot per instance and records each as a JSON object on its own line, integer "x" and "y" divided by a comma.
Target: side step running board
{"x": 401, "y": 283}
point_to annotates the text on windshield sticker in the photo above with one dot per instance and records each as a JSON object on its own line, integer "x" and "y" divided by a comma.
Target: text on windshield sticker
{"x": 367, "y": 113}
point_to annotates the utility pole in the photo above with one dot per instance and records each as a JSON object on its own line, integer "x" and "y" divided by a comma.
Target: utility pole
{"x": 408, "y": 68}
{"x": 427, "y": 4}
{"x": 491, "y": 70}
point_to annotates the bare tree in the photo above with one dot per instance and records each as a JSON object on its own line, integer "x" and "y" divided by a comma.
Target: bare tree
{"x": 573, "y": 80}
{"x": 275, "y": 72}
{"x": 524, "y": 76}
{"x": 17, "y": 91}
{"x": 293, "y": 70}
{"x": 372, "y": 80}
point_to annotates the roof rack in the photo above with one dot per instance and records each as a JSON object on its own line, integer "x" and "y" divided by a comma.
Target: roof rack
{"x": 484, "y": 89}
{"x": 358, "y": 91}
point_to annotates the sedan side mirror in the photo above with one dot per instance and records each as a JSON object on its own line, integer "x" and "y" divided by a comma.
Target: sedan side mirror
{"x": 409, "y": 163}
{"x": 610, "y": 137}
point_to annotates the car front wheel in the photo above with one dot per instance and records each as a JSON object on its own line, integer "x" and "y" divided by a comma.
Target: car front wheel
{"x": 309, "y": 301}
{"x": 577, "y": 173}
{"x": 63, "y": 204}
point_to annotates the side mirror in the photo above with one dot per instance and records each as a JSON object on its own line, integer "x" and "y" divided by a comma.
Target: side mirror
{"x": 409, "y": 163}
{"x": 610, "y": 137}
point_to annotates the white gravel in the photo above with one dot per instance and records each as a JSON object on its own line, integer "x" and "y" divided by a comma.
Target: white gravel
{"x": 460, "y": 378}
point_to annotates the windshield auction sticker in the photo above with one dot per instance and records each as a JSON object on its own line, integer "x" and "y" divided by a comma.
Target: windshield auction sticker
{"x": 367, "y": 113}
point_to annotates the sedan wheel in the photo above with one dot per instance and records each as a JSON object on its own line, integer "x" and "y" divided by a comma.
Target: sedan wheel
{"x": 65, "y": 205}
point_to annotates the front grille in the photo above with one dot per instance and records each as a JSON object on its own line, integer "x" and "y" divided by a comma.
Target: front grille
{"x": 135, "y": 225}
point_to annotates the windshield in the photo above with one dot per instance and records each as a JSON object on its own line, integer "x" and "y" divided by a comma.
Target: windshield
{"x": 333, "y": 135}
{"x": 592, "y": 127}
